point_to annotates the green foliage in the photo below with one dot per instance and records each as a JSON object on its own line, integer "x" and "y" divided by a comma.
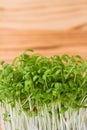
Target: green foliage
{"x": 45, "y": 80}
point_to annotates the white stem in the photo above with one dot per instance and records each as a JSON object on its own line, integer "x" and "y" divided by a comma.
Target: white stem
{"x": 70, "y": 120}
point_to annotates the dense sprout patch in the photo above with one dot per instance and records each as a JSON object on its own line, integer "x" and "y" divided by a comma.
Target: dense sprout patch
{"x": 44, "y": 81}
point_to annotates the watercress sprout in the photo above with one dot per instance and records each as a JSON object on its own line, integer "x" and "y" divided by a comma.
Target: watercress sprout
{"x": 35, "y": 84}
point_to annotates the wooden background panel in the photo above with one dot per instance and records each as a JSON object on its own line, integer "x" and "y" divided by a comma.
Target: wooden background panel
{"x": 49, "y": 27}
{"x": 43, "y": 14}
{"x": 43, "y": 42}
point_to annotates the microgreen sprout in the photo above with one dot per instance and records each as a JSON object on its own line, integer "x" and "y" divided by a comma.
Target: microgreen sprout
{"x": 40, "y": 93}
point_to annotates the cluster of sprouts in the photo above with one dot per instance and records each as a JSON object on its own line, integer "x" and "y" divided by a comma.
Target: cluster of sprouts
{"x": 40, "y": 93}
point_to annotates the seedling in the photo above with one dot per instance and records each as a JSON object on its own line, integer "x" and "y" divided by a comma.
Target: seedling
{"x": 40, "y": 93}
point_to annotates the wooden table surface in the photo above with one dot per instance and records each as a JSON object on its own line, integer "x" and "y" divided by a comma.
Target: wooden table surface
{"x": 47, "y": 26}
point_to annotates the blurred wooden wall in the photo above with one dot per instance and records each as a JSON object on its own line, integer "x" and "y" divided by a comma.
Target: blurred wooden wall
{"x": 47, "y": 26}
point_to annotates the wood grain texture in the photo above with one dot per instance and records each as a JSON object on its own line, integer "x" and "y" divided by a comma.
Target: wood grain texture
{"x": 47, "y": 26}
{"x": 43, "y": 42}
{"x": 43, "y": 14}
